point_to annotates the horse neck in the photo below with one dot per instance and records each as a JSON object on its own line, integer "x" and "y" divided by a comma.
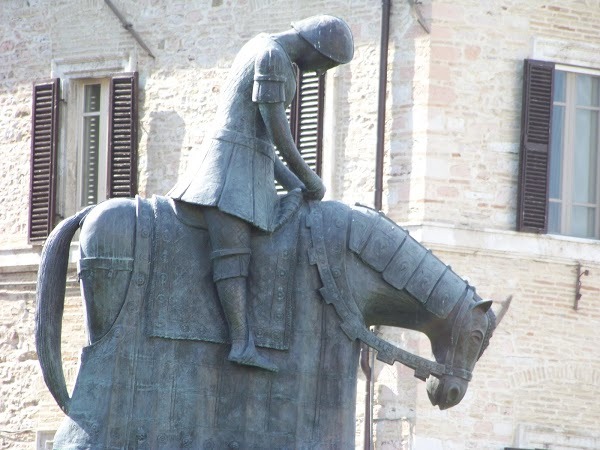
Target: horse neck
{"x": 381, "y": 303}
{"x": 379, "y": 283}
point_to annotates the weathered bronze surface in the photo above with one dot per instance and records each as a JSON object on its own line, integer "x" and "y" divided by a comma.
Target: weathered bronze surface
{"x": 175, "y": 311}
{"x": 156, "y": 373}
{"x": 238, "y": 166}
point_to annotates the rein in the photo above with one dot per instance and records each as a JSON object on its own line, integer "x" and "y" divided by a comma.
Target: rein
{"x": 349, "y": 313}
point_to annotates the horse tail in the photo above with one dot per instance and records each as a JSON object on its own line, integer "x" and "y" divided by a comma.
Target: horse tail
{"x": 50, "y": 299}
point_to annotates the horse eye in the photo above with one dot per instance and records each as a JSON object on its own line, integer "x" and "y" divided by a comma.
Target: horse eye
{"x": 477, "y": 336}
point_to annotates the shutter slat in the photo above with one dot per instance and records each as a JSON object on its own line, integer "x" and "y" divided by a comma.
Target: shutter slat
{"x": 310, "y": 122}
{"x": 535, "y": 146}
{"x": 122, "y": 149}
{"x": 306, "y": 119}
{"x": 44, "y": 140}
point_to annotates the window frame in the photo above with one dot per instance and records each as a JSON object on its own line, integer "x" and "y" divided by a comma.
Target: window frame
{"x": 55, "y": 132}
{"x": 536, "y": 135}
{"x": 568, "y": 155}
{"x": 103, "y": 117}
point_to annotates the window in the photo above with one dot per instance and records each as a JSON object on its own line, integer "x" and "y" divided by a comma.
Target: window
{"x": 559, "y": 186}
{"x": 573, "y": 182}
{"x": 105, "y": 126}
{"x": 92, "y": 147}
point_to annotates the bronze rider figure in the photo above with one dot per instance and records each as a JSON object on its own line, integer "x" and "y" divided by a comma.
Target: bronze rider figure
{"x": 234, "y": 180}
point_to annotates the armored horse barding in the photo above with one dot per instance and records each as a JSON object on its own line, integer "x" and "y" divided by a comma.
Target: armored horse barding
{"x": 156, "y": 373}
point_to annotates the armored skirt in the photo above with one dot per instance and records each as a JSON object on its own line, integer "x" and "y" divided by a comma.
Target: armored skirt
{"x": 236, "y": 174}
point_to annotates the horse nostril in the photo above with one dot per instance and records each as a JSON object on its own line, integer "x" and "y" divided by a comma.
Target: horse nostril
{"x": 453, "y": 394}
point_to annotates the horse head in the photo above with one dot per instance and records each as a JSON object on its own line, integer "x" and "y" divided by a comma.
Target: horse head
{"x": 457, "y": 344}
{"x": 415, "y": 290}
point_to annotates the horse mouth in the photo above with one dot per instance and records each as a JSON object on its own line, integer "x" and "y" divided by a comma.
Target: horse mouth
{"x": 447, "y": 392}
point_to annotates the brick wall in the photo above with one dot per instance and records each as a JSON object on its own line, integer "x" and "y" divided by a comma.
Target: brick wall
{"x": 26, "y": 406}
{"x": 456, "y": 181}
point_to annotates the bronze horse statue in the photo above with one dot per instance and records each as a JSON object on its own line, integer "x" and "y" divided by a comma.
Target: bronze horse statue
{"x": 155, "y": 373}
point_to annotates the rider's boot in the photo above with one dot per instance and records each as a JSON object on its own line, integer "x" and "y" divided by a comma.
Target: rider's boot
{"x": 232, "y": 294}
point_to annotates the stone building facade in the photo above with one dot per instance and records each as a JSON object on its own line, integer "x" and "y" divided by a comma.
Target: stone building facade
{"x": 453, "y": 146}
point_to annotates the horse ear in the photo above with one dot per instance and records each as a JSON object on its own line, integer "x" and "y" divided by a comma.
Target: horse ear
{"x": 483, "y": 304}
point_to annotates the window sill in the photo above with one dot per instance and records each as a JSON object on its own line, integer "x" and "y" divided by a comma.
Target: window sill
{"x": 27, "y": 257}
{"x": 561, "y": 249}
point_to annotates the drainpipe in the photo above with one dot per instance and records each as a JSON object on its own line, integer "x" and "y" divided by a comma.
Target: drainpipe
{"x": 366, "y": 355}
{"x": 129, "y": 27}
{"x": 383, "y": 62}
{"x": 366, "y": 368}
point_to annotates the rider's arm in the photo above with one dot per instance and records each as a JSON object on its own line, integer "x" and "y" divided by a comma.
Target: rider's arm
{"x": 274, "y": 117}
{"x": 269, "y": 93}
{"x": 286, "y": 177}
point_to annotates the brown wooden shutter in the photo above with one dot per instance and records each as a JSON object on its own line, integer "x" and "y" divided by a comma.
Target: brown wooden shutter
{"x": 122, "y": 136}
{"x": 535, "y": 146}
{"x": 44, "y": 144}
{"x": 306, "y": 118}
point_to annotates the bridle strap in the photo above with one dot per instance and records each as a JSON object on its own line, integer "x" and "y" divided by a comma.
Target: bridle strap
{"x": 461, "y": 316}
{"x": 349, "y": 313}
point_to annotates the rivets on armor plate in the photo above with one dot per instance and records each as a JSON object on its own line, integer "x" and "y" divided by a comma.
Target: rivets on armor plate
{"x": 336, "y": 272}
{"x": 141, "y": 435}
{"x": 282, "y": 272}
{"x": 145, "y": 232}
{"x": 162, "y": 438}
{"x": 339, "y": 223}
{"x": 234, "y": 444}
{"x": 186, "y": 441}
{"x": 162, "y": 278}
{"x": 140, "y": 279}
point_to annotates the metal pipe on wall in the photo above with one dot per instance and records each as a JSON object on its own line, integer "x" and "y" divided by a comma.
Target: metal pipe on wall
{"x": 366, "y": 368}
{"x": 379, "y": 157}
{"x": 382, "y": 97}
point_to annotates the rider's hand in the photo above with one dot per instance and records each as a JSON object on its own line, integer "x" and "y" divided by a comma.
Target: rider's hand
{"x": 314, "y": 190}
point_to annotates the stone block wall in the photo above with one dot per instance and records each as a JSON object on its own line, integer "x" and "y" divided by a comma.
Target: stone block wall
{"x": 455, "y": 185}
{"x": 193, "y": 44}
{"x": 26, "y": 406}
{"x": 541, "y": 370}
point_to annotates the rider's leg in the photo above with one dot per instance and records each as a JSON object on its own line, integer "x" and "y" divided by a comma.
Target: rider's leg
{"x": 230, "y": 240}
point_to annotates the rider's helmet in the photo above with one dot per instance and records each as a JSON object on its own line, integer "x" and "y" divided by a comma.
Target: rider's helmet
{"x": 329, "y": 35}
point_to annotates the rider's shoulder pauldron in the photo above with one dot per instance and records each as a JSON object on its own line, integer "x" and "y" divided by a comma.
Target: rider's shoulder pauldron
{"x": 270, "y": 75}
